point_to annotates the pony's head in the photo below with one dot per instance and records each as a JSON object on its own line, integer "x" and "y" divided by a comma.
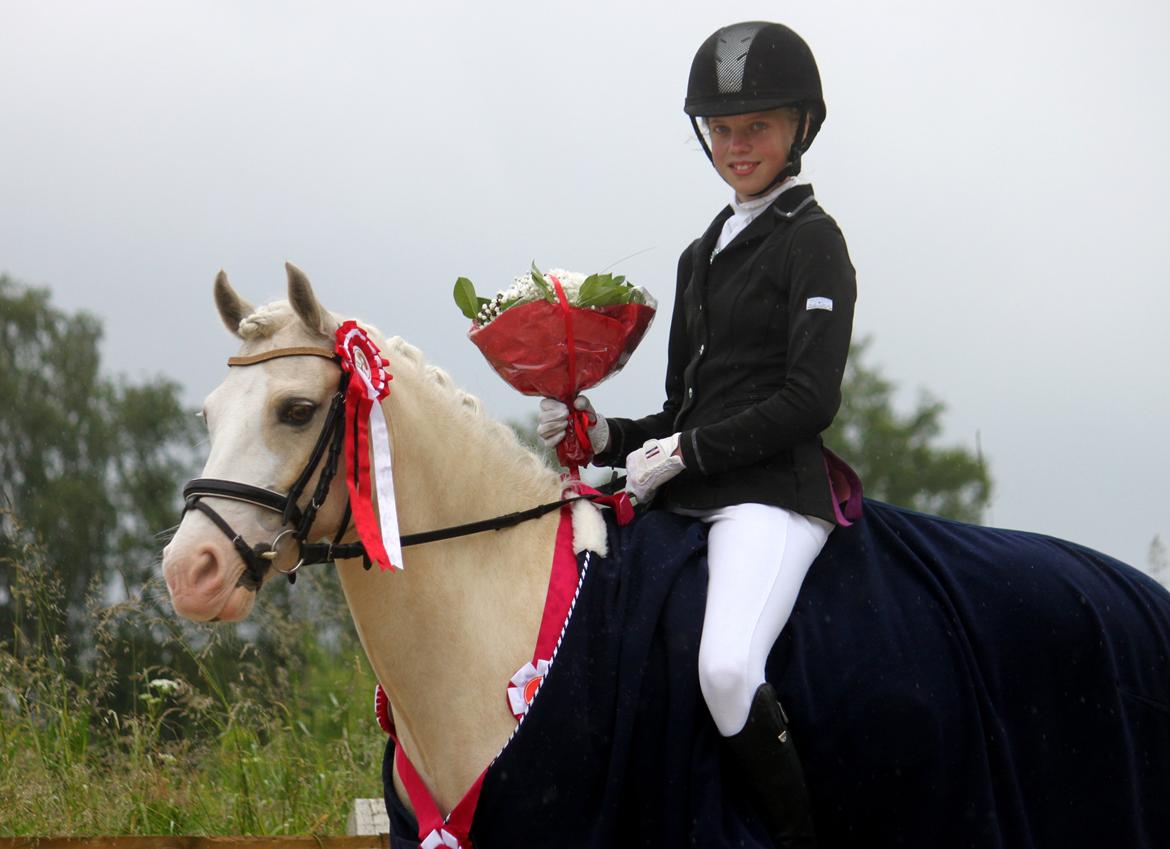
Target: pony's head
{"x": 263, "y": 423}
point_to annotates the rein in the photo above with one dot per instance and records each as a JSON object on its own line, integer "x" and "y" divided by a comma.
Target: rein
{"x": 297, "y": 521}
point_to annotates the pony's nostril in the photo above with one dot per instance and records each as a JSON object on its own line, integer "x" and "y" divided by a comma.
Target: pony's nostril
{"x": 206, "y": 573}
{"x": 196, "y": 580}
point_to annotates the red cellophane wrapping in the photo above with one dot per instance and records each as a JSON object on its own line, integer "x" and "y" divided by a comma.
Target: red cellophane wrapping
{"x": 528, "y": 345}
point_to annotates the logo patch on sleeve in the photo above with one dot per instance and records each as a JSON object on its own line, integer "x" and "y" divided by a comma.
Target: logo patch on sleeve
{"x": 819, "y": 304}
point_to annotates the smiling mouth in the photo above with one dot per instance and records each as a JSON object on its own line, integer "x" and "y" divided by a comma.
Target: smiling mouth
{"x": 743, "y": 168}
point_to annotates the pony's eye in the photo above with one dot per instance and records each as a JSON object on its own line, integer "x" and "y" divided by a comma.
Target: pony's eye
{"x": 297, "y": 412}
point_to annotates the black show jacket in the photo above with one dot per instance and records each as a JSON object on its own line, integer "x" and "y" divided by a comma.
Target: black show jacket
{"x": 758, "y": 342}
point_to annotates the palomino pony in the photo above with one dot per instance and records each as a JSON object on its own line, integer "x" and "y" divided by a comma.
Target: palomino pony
{"x": 949, "y": 685}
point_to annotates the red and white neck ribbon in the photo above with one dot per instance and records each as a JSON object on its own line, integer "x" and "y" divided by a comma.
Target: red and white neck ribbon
{"x": 440, "y": 837}
{"x": 558, "y": 602}
{"x": 366, "y": 429}
{"x": 454, "y": 830}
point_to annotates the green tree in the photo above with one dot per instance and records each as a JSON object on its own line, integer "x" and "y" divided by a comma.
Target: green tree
{"x": 897, "y": 454}
{"x": 89, "y": 465}
{"x": 1158, "y": 565}
{"x": 90, "y": 471}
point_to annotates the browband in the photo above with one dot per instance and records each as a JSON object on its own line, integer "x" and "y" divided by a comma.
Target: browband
{"x": 277, "y": 353}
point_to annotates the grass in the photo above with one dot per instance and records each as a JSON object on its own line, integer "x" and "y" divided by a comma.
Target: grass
{"x": 205, "y": 731}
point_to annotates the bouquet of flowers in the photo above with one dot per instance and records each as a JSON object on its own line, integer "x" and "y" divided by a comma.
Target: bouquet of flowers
{"x": 558, "y": 333}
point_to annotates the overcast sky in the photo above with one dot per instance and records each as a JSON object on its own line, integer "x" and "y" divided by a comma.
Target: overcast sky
{"x": 1000, "y": 170}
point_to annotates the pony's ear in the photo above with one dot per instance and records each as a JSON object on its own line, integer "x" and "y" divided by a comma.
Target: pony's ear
{"x": 305, "y": 303}
{"x": 232, "y": 308}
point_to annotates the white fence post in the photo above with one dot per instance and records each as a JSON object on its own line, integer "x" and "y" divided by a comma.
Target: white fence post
{"x": 368, "y": 816}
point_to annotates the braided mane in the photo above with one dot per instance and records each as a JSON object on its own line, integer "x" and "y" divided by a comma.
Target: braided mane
{"x": 265, "y": 321}
{"x": 500, "y": 437}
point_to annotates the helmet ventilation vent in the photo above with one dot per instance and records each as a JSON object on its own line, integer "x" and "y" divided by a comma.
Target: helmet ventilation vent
{"x": 731, "y": 55}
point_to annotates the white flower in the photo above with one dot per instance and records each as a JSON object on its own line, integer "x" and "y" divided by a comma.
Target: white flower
{"x": 164, "y": 685}
{"x": 524, "y": 290}
{"x": 570, "y": 281}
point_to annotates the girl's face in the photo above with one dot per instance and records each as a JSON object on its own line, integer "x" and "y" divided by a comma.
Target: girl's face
{"x": 750, "y": 150}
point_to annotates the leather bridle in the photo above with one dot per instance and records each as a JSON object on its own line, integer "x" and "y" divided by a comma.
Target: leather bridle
{"x": 297, "y": 521}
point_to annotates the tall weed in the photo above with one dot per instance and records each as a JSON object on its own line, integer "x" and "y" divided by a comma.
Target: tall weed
{"x": 264, "y": 728}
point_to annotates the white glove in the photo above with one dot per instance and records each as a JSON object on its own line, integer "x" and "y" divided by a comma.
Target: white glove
{"x": 553, "y": 420}
{"x": 651, "y": 466}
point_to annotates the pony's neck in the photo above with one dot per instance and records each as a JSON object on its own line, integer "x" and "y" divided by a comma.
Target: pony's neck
{"x": 446, "y": 634}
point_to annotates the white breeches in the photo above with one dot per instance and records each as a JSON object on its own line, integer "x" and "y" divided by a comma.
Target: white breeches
{"x": 757, "y": 558}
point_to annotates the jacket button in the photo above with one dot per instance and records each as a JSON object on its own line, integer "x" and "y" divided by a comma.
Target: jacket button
{"x": 691, "y": 392}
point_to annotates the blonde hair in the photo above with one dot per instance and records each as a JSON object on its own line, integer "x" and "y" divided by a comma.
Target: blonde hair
{"x": 791, "y": 113}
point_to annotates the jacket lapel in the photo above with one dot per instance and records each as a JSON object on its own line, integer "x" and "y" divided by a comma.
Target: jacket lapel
{"x": 783, "y": 209}
{"x": 695, "y": 293}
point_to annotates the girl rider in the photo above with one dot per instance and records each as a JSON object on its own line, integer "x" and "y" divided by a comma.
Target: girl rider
{"x": 763, "y": 314}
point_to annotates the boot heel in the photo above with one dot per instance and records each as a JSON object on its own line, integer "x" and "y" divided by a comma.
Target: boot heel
{"x": 765, "y": 753}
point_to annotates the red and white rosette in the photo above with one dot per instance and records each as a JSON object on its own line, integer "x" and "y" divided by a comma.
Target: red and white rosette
{"x": 440, "y": 837}
{"x": 523, "y": 687}
{"x": 369, "y": 383}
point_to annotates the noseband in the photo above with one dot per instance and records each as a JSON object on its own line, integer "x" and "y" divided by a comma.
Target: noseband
{"x": 296, "y": 521}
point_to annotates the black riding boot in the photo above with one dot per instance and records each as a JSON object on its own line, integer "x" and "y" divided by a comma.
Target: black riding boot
{"x": 764, "y": 753}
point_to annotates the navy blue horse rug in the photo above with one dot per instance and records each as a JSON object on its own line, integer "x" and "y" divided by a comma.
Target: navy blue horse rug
{"x": 948, "y": 686}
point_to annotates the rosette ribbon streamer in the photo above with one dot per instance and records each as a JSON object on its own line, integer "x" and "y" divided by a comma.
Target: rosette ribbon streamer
{"x": 367, "y": 434}
{"x": 575, "y": 449}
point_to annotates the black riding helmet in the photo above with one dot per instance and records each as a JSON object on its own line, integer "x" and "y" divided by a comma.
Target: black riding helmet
{"x": 752, "y": 67}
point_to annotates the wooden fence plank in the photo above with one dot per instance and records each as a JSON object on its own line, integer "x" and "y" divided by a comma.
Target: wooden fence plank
{"x": 368, "y": 816}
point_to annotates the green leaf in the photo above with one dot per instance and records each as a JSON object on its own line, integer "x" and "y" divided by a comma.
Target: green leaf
{"x": 466, "y": 299}
{"x": 602, "y": 290}
{"x": 593, "y": 292}
{"x": 542, "y": 284}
